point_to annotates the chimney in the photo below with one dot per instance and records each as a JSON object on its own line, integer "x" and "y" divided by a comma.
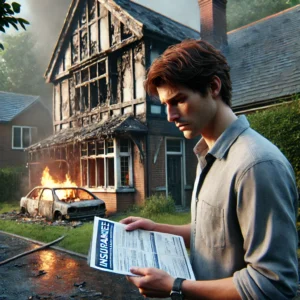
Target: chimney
{"x": 213, "y": 22}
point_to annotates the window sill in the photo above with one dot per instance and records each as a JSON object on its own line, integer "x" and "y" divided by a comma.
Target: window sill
{"x": 112, "y": 190}
{"x": 188, "y": 187}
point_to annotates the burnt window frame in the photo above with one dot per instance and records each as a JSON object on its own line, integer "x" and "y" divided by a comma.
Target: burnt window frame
{"x": 86, "y": 27}
{"x": 81, "y": 85}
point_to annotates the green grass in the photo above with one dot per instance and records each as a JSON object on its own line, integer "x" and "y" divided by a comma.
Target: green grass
{"x": 9, "y": 206}
{"x": 76, "y": 239}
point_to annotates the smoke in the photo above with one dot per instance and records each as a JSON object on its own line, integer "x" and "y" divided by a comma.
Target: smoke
{"x": 46, "y": 18}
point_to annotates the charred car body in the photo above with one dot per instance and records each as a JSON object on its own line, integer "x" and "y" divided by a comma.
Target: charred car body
{"x": 62, "y": 203}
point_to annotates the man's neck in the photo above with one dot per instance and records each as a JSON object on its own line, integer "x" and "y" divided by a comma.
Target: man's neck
{"x": 222, "y": 120}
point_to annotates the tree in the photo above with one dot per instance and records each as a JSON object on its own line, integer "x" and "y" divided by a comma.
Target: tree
{"x": 19, "y": 70}
{"x": 7, "y": 18}
{"x": 240, "y": 13}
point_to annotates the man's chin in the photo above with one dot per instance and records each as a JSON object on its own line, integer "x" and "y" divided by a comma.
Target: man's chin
{"x": 189, "y": 134}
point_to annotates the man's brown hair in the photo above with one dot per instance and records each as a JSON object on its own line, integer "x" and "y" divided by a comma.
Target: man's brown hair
{"x": 192, "y": 64}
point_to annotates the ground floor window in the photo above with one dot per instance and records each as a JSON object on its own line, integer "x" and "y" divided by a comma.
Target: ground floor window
{"x": 106, "y": 163}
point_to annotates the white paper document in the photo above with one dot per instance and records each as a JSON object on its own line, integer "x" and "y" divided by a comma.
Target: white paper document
{"x": 116, "y": 250}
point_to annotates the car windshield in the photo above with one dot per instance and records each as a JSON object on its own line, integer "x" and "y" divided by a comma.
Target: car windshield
{"x": 70, "y": 195}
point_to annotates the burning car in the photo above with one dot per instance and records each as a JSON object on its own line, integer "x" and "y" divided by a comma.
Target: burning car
{"x": 58, "y": 203}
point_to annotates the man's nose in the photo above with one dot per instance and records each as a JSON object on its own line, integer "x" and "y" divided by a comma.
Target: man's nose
{"x": 172, "y": 113}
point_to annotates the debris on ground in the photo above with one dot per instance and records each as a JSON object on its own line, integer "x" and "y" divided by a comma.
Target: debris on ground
{"x": 40, "y": 273}
{"x": 26, "y": 218}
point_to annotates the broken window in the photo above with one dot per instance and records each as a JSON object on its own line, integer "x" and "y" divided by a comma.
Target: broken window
{"x": 125, "y": 32}
{"x": 93, "y": 33}
{"x": 85, "y": 38}
{"x": 98, "y": 163}
{"x": 83, "y": 14}
{"x": 91, "y": 85}
{"x": 92, "y": 5}
{"x": 74, "y": 48}
{"x": 83, "y": 44}
{"x": 94, "y": 95}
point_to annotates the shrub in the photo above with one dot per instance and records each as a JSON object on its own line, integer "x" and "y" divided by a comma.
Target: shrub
{"x": 281, "y": 125}
{"x": 157, "y": 204}
{"x": 11, "y": 184}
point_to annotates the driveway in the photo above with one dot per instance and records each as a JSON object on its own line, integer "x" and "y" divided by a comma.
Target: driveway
{"x": 51, "y": 274}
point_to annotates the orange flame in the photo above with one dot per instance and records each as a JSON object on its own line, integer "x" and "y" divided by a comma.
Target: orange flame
{"x": 47, "y": 180}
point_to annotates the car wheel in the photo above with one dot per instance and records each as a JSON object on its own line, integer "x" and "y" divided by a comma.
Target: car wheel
{"x": 58, "y": 216}
{"x": 23, "y": 210}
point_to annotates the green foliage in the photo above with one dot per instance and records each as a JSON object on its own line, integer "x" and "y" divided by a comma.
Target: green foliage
{"x": 240, "y": 13}
{"x": 19, "y": 70}
{"x": 281, "y": 125}
{"x": 157, "y": 204}
{"x": 7, "y": 17}
{"x": 11, "y": 183}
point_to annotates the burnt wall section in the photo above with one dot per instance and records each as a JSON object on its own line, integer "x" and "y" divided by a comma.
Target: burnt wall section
{"x": 107, "y": 87}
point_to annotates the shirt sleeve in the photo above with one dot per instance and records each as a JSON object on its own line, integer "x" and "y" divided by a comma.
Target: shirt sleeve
{"x": 267, "y": 210}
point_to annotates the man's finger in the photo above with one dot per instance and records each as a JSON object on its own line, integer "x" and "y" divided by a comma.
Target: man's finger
{"x": 138, "y": 271}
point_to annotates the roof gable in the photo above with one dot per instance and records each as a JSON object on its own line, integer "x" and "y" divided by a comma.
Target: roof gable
{"x": 265, "y": 58}
{"x": 136, "y": 18}
{"x": 14, "y": 104}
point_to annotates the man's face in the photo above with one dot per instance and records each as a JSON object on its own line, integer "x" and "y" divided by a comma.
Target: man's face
{"x": 192, "y": 113}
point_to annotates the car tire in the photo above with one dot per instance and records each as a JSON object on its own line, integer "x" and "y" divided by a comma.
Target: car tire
{"x": 58, "y": 216}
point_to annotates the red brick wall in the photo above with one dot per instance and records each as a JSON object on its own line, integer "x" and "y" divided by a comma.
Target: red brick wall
{"x": 36, "y": 116}
{"x": 116, "y": 202}
{"x": 110, "y": 200}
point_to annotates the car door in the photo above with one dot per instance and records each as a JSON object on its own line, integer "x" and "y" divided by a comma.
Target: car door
{"x": 33, "y": 201}
{"x": 46, "y": 203}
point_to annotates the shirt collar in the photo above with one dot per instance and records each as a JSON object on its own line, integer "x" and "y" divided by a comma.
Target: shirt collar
{"x": 225, "y": 140}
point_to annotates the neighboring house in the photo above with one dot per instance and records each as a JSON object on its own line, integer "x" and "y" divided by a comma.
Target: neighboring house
{"x": 112, "y": 138}
{"x": 24, "y": 120}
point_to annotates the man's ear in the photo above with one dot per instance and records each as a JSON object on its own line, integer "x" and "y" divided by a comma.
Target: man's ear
{"x": 215, "y": 86}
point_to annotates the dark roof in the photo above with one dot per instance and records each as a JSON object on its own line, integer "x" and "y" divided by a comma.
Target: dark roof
{"x": 265, "y": 58}
{"x": 13, "y": 104}
{"x": 111, "y": 127}
{"x": 157, "y": 23}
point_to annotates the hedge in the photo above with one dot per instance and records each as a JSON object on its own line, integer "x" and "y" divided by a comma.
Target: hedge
{"x": 12, "y": 183}
{"x": 281, "y": 125}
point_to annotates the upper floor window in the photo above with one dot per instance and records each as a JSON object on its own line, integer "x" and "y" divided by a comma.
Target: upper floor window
{"x": 85, "y": 40}
{"x": 91, "y": 86}
{"x": 23, "y": 136}
{"x": 106, "y": 164}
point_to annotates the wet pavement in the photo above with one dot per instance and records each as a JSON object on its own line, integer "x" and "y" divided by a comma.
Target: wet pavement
{"x": 51, "y": 274}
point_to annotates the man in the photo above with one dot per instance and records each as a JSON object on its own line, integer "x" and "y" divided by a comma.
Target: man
{"x": 242, "y": 234}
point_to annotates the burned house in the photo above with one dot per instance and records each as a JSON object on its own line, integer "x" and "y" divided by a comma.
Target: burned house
{"x": 109, "y": 136}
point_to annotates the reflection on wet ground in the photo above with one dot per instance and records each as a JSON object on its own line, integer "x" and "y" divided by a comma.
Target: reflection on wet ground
{"x": 50, "y": 274}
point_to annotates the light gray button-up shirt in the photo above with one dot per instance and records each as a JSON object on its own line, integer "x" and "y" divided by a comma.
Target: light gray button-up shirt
{"x": 244, "y": 210}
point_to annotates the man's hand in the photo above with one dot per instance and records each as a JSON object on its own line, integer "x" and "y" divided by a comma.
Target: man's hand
{"x": 152, "y": 282}
{"x": 138, "y": 223}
